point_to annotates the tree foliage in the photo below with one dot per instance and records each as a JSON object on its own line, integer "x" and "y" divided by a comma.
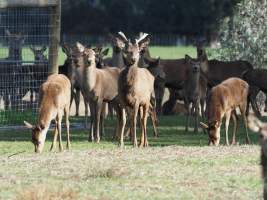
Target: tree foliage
{"x": 244, "y": 36}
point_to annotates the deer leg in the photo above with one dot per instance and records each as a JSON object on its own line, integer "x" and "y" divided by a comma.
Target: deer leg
{"x": 31, "y": 96}
{"x": 153, "y": 117}
{"x": 55, "y": 136}
{"x": 67, "y": 126}
{"x": 102, "y": 118}
{"x": 227, "y": 120}
{"x": 92, "y": 110}
{"x": 134, "y": 119}
{"x": 142, "y": 138}
{"x": 59, "y": 119}
{"x": 77, "y": 97}
{"x": 234, "y": 117}
{"x": 146, "y": 108}
{"x": 243, "y": 112}
{"x": 97, "y": 119}
{"x": 187, "y": 115}
{"x": 196, "y": 105}
{"x": 121, "y": 122}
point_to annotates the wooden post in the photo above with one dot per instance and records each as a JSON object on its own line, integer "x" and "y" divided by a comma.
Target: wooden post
{"x": 54, "y": 38}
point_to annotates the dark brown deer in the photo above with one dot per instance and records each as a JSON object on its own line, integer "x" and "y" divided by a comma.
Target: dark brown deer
{"x": 136, "y": 86}
{"x": 39, "y": 71}
{"x": 256, "y": 78}
{"x": 99, "y": 86}
{"x": 260, "y": 127}
{"x": 54, "y": 101}
{"x": 223, "y": 99}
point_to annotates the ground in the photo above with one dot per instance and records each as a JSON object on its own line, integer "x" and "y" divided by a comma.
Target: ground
{"x": 177, "y": 165}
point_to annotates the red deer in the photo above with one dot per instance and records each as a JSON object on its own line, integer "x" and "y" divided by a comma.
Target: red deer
{"x": 217, "y": 71}
{"x": 136, "y": 86}
{"x": 223, "y": 99}
{"x": 256, "y": 78}
{"x": 54, "y": 101}
{"x": 99, "y": 86}
{"x": 39, "y": 70}
{"x": 257, "y": 126}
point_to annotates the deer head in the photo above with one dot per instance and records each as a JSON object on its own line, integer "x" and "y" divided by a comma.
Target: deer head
{"x": 99, "y": 56}
{"x": 193, "y": 64}
{"x": 38, "y": 136}
{"x": 38, "y": 53}
{"x": 131, "y": 52}
{"x": 15, "y": 42}
{"x": 213, "y": 129}
{"x": 118, "y": 41}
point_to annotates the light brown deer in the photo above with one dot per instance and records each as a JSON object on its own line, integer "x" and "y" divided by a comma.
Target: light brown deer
{"x": 223, "y": 99}
{"x": 54, "y": 101}
{"x": 136, "y": 86}
{"x": 258, "y": 126}
{"x": 99, "y": 86}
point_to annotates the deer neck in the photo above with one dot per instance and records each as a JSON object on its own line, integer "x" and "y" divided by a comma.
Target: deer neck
{"x": 90, "y": 74}
{"x": 46, "y": 114}
{"x": 117, "y": 59}
{"x": 193, "y": 83}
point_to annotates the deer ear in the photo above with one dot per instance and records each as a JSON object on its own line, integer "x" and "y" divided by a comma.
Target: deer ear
{"x": 204, "y": 126}
{"x": 80, "y": 47}
{"x": 187, "y": 58}
{"x": 143, "y": 41}
{"x": 105, "y": 52}
{"x": 28, "y": 125}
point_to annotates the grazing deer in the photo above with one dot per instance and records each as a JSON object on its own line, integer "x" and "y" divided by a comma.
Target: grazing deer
{"x": 99, "y": 85}
{"x": 39, "y": 70}
{"x": 258, "y": 126}
{"x": 54, "y": 101}
{"x": 222, "y": 101}
{"x": 136, "y": 86}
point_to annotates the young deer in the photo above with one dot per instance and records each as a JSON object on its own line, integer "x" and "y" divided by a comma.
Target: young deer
{"x": 136, "y": 86}
{"x": 222, "y": 101}
{"x": 99, "y": 85}
{"x": 54, "y": 101}
{"x": 257, "y": 126}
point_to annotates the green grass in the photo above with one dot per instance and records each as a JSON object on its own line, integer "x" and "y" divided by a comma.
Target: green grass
{"x": 177, "y": 165}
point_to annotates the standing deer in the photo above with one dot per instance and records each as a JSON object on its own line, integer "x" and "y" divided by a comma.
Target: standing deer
{"x": 257, "y": 126}
{"x": 39, "y": 70}
{"x": 191, "y": 90}
{"x": 54, "y": 101}
{"x": 223, "y": 99}
{"x": 99, "y": 86}
{"x": 136, "y": 86}
{"x": 11, "y": 70}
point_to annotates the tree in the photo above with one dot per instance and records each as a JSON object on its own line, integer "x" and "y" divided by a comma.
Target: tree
{"x": 245, "y": 35}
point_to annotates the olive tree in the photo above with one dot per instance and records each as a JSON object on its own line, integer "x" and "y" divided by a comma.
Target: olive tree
{"x": 244, "y": 35}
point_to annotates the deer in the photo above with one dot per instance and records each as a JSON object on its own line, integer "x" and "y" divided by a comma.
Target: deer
{"x": 135, "y": 88}
{"x": 256, "y": 78}
{"x": 260, "y": 127}
{"x": 223, "y": 99}
{"x": 216, "y": 71}
{"x": 99, "y": 86}
{"x": 54, "y": 101}
{"x": 11, "y": 67}
{"x": 39, "y": 69}
{"x": 191, "y": 90}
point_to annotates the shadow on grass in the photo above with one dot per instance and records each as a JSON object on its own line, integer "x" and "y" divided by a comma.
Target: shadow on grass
{"x": 171, "y": 132}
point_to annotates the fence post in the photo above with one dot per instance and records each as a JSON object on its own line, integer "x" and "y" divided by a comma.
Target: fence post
{"x": 55, "y": 38}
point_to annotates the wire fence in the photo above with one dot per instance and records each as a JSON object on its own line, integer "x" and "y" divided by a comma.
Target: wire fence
{"x": 24, "y": 40}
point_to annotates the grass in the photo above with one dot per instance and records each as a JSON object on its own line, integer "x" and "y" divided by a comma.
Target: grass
{"x": 177, "y": 165}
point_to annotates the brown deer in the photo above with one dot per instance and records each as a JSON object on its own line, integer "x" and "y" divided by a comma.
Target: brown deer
{"x": 223, "y": 99}
{"x": 54, "y": 101}
{"x": 99, "y": 86}
{"x": 136, "y": 86}
{"x": 260, "y": 127}
{"x": 39, "y": 70}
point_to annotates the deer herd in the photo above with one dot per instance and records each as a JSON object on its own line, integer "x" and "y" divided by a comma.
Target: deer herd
{"x": 132, "y": 83}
